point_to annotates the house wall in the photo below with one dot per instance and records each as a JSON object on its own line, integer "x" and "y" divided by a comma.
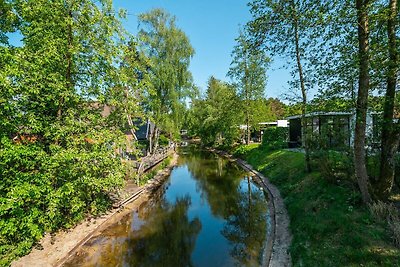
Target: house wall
{"x": 282, "y": 123}
{"x": 295, "y": 133}
{"x": 368, "y": 130}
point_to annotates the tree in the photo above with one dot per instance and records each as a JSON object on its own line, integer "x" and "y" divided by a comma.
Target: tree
{"x": 169, "y": 51}
{"x": 218, "y": 114}
{"x": 362, "y": 99}
{"x": 390, "y": 131}
{"x": 58, "y": 161}
{"x": 248, "y": 70}
{"x": 283, "y": 27}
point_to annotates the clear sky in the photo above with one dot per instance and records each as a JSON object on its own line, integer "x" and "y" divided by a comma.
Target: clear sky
{"x": 212, "y": 26}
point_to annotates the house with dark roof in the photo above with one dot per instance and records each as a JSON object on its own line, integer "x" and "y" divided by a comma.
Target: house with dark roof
{"x": 138, "y": 129}
{"x": 144, "y": 129}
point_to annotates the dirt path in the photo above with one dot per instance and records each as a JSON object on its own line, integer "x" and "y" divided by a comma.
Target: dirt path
{"x": 54, "y": 250}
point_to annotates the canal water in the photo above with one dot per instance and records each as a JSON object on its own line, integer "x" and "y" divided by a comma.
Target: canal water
{"x": 208, "y": 213}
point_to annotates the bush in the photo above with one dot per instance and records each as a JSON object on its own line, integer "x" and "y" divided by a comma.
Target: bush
{"x": 388, "y": 213}
{"x": 334, "y": 166}
{"x": 44, "y": 190}
{"x": 163, "y": 140}
{"x": 275, "y": 138}
{"x": 242, "y": 150}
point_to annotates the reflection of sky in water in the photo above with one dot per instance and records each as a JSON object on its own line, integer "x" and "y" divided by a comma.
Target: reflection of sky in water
{"x": 136, "y": 222}
{"x": 209, "y": 241}
{"x": 215, "y": 242}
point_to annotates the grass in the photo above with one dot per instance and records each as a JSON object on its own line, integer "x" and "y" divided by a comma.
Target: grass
{"x": 330, "y": 226}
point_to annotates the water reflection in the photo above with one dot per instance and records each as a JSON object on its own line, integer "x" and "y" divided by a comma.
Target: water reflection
{"x": 167, "y": 239}
{"x": 209, "y": 213}
{"x": 238, "y": 201}
{"x": 246, "y": 226}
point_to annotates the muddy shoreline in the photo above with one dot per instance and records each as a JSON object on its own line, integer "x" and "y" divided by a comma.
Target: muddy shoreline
{"x": 55, "y": 249}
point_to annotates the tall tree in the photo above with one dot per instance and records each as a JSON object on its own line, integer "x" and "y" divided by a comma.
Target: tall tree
{"x": 169, "y": 51}
{"x": 362, "y": 7}
{"x": 248, "y": 70}
{"x": 71, "y": 55}
{"x": 390, "y": 130}
{"x": 282, "y": 27}
{"x": 218, "y": 114}
{"x": 70, "y": 62}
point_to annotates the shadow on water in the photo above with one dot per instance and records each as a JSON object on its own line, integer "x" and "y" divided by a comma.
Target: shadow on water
{"x": 209, "y": 213}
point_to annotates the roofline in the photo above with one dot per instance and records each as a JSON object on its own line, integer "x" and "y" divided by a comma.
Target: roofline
{"x": 320, "y": 113}
{"x": 268, "y": 123}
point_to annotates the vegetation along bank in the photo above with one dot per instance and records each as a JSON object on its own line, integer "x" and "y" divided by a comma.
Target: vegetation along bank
{"x": 329, "y": 223}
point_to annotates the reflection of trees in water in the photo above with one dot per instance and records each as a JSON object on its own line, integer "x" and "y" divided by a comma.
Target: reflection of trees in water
{"x": 167, "y": 239}
{"x": 218, "y": 180}
{"x": 246, "y": 227}
{"x": 240, "y": 203}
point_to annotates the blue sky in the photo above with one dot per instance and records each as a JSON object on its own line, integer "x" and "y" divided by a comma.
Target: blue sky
{"x": 212, "y": 26}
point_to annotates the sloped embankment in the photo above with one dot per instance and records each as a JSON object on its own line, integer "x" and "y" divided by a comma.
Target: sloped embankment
{"x": 329, "y": 224}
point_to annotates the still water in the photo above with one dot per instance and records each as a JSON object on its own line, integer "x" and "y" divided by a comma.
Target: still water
{"x": 208, "y": 213}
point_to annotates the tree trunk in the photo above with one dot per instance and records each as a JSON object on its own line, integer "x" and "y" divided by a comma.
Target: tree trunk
{"x": 362, "y": 100}
{"x": 248, "y": 127}
{"x": 129, "y": 117}
{"x": 68, "y": 73}
{"x": 390, "y": 133}
{"x": 156, "y": 137}
{"x": 247, "y": 97}
{"x": 151, "y": 136}
{"x": 303, "y": 93}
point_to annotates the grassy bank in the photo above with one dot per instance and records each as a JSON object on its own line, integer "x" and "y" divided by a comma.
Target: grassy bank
{"x": 330, "y": 226}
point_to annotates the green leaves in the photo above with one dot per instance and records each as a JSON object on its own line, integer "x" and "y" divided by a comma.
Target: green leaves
{"x": 169, "y": 51}
{"x": 57, "y": 151}
{"x": 217, "y": 116}
{"x": 44, "y": 191}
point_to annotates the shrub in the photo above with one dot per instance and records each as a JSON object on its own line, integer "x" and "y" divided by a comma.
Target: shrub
{"x": 44, "y": 190}
{"x": 275, "y": 138}
{"x": 334, "y": 166}
{"x": 163, "y": 140}
{"x": 242, "y": 150}
{"x": 388, "y": 213}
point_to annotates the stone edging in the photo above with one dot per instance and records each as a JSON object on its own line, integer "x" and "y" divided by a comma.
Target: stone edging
{"x": 277, "y": 254}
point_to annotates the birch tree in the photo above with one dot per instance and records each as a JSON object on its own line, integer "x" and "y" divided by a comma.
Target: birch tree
{"x": 282, "y": 28}
{"x": 248, "y": 71}
{"x": 170, "y": 52}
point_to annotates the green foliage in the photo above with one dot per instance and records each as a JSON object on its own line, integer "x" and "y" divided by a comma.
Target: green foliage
{"x": 61, "y": 164}
{"x": 169, "y": 51}
{"x": 243, "y": 150}
{"x": 336, "y": 167}
{"x": 43, "y": 191}
{"x": 217, "y": 116}
{"x": 248, "y": 71}
{"x": 163, "y": 141}
{"x": 330, "y": 226}
{"x": 275, "y": 137}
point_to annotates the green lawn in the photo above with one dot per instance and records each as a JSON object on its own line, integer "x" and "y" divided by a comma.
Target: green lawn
{"x": 330, "y": 226}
